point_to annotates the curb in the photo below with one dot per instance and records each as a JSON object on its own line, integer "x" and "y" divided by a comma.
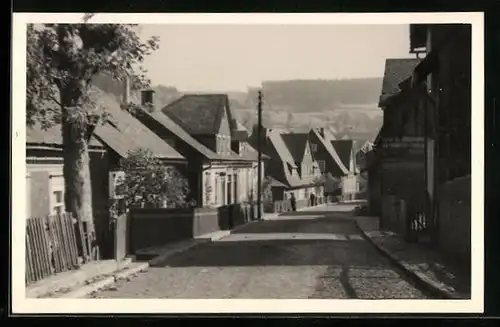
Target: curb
{"x": 156, "y": 260}
{"x": 434, "y": 289}
{"x": 198, "y": 241}
{"x": 126, "y": 273}
{"x": 87, "y": 289}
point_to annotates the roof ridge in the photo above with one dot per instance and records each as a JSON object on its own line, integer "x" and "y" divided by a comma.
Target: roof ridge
{"x": 333, "y": 153}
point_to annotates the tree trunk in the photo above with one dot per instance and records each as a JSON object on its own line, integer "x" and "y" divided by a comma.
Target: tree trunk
{"x": 78, "y": 192}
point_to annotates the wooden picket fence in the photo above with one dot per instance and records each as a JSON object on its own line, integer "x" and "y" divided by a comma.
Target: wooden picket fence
{"x": 53, "y": 245}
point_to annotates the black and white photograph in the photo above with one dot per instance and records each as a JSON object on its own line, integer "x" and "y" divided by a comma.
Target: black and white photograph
{"x": 181, "y": 160}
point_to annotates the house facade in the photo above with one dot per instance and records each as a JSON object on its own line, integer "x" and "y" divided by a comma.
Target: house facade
{"x": 291, "y": 167}
{"x": 44, "y": 169}
{"x": 336, "y": 157}
{"x": 109, "y": 143}
{"x": 222, "y": 167}
{"x": 400, "y": 170}
{"x": 445, "y": 75}
{"x": 423, "y": 153}
{"x": 349, "y": 182}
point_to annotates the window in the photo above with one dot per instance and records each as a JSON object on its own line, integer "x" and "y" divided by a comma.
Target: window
{"x": 217, "y": 188}
{"x": 208, "y": 188}
{"x": 58, "y": 202}
{"x": 314, "y": 147}
{"x": 218, "y": 144}
{"x": 58, "y": 196}
{"x": 321, "y": 164}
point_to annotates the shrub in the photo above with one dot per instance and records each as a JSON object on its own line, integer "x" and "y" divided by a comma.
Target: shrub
{"x": 148, "y": 181}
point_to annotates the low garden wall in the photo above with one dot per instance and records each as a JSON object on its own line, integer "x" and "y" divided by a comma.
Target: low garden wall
{"x": 149, "y": 227}
{"x": 285, "y": 206}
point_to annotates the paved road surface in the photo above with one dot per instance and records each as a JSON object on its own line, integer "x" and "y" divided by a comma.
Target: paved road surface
{"x": 313, "y": 254}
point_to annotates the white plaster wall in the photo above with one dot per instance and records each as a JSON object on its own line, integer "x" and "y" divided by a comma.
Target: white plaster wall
{"x": 27, "y": 200}
{"x": 56, "y": 183}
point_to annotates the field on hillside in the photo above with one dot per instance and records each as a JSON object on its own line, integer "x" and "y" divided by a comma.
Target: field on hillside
{"x": 345, "y": 121}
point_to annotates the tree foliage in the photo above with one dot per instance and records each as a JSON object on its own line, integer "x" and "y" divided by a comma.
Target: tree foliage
{"x": 62, "y": 60}
{"x": 149, "y": 181}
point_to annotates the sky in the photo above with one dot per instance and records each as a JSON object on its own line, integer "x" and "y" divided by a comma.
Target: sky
{"x": 235, "y": 57}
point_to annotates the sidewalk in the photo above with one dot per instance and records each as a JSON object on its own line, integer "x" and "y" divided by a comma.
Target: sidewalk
{"x": 425, "y": 266}
{"x": 102, "y": 274}
{"x": 65, "y": 283}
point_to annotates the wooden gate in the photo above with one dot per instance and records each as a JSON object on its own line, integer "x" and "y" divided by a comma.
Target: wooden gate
{"x": 419, "y": 224}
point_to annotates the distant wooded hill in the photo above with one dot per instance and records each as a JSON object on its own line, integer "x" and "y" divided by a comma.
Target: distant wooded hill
{"x": 315, "y": 95}
{"x": 350, "y": 105}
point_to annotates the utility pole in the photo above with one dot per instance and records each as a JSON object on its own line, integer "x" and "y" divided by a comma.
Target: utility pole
{"x": 259, "y": 149}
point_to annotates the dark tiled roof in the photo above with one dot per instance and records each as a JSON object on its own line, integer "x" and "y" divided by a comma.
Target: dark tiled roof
{"x": 296, "y": 144}
{"x": 327, "y": 144}
{"x": 238, "y": 131}
{"x": 113, "y": 138}
{"x": 344, "y": 148}
{"x": 198, "y": 114}
{"x": 285, "y": 159}
{"x": 133, "y": 133}
{"x": 122, "y": 132}
{"x": 169, "y": 124}
{"x": 277, "y": 183}
{"x": 52, "y": 136}
{"x": 182, "y": 134}
{"x": 250, "y": 153}
{"x": 396, "y": 72}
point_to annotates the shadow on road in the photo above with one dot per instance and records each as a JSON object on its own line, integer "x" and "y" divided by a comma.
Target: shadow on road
{"x": 278, "y": 252}
{"x": 302, "y": 225}
{"x": 344, "y": 280}
{"x": 323, "y": 213}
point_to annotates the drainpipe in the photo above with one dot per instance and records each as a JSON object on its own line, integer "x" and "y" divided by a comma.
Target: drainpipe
{"x": 427, "y": 198}
{"x": 259, "y": 149}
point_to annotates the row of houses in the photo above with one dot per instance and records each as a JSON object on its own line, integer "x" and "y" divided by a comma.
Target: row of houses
{"x": 197, "y": 134}
{"x": 200, "y": 136}
{"x": 421, "y": 158}
{"x": 299, "y": 161}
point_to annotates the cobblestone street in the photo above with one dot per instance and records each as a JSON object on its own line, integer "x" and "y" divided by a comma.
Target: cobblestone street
{"x": 313, "y": 254}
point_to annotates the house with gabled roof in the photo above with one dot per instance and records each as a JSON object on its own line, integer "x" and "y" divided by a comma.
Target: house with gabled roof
{"x": 222, "y": 167}
{"x": 347, "y": 155}
{"x": 401, "y": 165}
{"x": 300, "y": 148}
{"x": 446, "y": 76}
{"x": 291, "y": 166}
{"x": 110, "y": 141}
{"x": 324, "y": 153}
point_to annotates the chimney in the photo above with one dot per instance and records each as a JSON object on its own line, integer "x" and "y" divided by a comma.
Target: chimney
{"x": 147, "y": 97}
{"x": 322, "y": 131}
{"x": 126, "y": 90}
